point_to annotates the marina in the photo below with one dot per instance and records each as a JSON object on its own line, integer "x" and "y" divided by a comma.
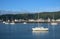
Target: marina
{"x": 29, "y": 19}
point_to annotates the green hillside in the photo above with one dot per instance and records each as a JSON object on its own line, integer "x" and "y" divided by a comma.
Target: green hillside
{"x": 27, "y": 16}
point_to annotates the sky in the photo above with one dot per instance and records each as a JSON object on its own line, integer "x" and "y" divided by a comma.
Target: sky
{"x": 30, "y": 5}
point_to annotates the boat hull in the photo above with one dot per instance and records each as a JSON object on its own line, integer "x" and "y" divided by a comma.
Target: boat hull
{"x": 12, "y": 23}
{"x": 54, "y": 23}
{"x": 40, "y": 29}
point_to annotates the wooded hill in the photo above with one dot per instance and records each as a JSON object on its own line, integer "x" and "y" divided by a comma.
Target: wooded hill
{"x": 26, "y": 16}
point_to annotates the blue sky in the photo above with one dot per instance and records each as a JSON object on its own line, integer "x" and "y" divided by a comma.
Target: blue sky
{"x": 30, "y": 5}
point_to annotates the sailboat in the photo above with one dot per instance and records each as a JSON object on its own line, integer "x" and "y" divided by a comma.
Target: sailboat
{"x": 53, "y": 23}
{"x": 7, "y": 21}
{"x": 3, "y": 21}
{"x": 12, "y": 22}
{"x": 39, "y": 28}
{"x": 24, "y": 23}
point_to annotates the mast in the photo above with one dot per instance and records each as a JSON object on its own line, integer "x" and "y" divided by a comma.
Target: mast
{"x": 38, "y": 19}
{"x": 53, "y": 17}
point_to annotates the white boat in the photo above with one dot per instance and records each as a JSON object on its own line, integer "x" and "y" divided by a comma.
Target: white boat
{"x": 12, "y": 23}
{"x": 6, "y": 23}
{"x": 3, "y": 21}
{"x": 38, "y": 28}
{"x": 24, "y": 23}
{"x": 54, "y": 23}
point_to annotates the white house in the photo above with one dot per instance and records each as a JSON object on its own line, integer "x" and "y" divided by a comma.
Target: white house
{"x": 40, "y": 20}
{"x": 16, "y": 20}
{"x": 31, "y": 20}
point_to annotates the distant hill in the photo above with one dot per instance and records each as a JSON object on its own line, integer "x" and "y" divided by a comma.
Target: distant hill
{"x": 27, "y": 16}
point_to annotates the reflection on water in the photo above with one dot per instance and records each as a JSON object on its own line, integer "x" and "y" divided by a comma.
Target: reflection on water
{"x": 39, "y": 34}
{"x": 53, "y": 31}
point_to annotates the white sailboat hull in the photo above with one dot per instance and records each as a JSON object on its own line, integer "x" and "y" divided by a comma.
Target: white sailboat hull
{"x": 39, "y": 29}
{"x": 3, "y": 21}
{"x": 54, "y": 23}
{"x": 12, "y": 23}
{"x": 6, "y": 23}
{"x": 24, "y": 23}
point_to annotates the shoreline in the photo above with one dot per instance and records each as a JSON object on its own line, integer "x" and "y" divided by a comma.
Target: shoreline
{"x": 37, "y": 22}
{"x": 31, "y": 21}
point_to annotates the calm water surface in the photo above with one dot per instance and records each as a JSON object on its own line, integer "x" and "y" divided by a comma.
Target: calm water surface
{"x": 24, "y": 31}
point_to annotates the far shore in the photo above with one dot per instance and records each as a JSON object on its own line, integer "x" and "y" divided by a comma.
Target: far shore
{"x": 35, "y": 22}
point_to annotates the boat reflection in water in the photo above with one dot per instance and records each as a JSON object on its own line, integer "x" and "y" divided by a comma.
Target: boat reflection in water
{"x": 40, "y": 34}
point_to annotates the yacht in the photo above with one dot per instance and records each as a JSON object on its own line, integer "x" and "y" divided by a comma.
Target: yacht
{"x": 6, "y": 23}
{"x": 38, "y": 28}
{"x": 53, "y": 23}
{"x": 3, "y": 21}
{"x": 24, "y": 23}
{"x": 12, "y": 22}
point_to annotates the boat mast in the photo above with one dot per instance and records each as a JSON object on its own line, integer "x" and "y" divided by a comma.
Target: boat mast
{"x": 53, "y": 17}
{"x": 38, "y": 19}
